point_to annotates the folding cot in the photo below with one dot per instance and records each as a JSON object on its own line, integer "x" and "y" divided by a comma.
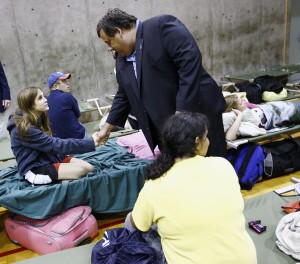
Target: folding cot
{"x": 281, "y": 73}
{"x": 272, "y": 136}
{"x": 112, "y": 187}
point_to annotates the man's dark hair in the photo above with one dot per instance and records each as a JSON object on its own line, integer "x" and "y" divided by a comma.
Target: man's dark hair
{"x": 113, "y": 19}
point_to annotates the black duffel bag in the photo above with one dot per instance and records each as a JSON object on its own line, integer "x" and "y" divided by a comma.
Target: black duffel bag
{"x": 253, "y": 92}
{"x": 281, "y": 157}
{"x": 269, "y": 83}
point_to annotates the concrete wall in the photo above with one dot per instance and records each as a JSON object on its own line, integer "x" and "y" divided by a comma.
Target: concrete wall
{"x": 38, "y": 37}
{"x": 294, "y": 41}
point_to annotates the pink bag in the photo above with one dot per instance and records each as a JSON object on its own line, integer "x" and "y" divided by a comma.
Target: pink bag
{"x": 69, "y": 229}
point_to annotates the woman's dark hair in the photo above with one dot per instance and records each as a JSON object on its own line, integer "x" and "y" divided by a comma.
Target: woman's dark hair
{"x": 113, "y": 19}
{"x": 178, "y": 140}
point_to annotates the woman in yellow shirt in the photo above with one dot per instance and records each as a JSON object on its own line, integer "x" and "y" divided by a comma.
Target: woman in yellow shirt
{"x": 194, "y": 200}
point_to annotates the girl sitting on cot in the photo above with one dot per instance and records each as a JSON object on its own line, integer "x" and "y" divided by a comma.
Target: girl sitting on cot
{"x": 40, "y": 157}
{"x": 242, "y": 118}
{"x": 194, "y": 200}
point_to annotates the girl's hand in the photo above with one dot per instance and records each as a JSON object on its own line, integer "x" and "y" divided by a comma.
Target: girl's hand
{"x": 98, "y": 139}
{"x": 237, "y": 112}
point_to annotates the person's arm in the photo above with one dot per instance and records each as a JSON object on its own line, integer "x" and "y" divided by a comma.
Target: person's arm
{"x": 98, "y": 140}
{"x": 142, "y": 215}
{"x": 72, "y": 103}
{"x": 6, "y": 104}
{"x": 4, "y": 89}
{"x": 104, "y": 133}
{"x": 231, "y": 133}
{"x": 185, "y": 54}
{"x": 132, "y": 221}
{"x": 120, "y": 107}
{"x": 75, "y": 107}
{"x": 38, "y": 140}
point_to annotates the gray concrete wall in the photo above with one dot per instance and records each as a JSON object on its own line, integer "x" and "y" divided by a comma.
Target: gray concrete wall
{"x": 38, "y": 37}
{"x": 294, "y": 41}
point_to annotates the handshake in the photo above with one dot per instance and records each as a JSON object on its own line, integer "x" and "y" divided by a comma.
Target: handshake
{"x": 100, "y": 138}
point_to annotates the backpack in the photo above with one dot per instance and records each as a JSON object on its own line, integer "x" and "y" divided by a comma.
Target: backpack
{"x": 120, "y": 246}
{"x": 269, "y": 83}
{"x": 253, "y": 92}
{"x": 282, "y": 157}
{"x": 248, "y": 164}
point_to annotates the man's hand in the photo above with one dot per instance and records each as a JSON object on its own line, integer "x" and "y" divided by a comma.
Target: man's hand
{"x": 102, "y": 136}
{"x": 6, "y": 104}
{"x": 99, "y": 139}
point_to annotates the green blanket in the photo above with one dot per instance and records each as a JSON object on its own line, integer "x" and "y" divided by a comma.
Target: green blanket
{"x": 113, "y": 187}
{"x": 267, "y": 208}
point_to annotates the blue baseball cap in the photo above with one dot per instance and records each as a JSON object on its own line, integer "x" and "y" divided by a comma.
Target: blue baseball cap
{"x": 57, "y": 76}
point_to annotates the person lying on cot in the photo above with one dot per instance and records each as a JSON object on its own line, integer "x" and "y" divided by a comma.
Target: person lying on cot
{"x": 242, "y": 118}
{"x": 194, "y": 200}
{"x": 40, "y": 157}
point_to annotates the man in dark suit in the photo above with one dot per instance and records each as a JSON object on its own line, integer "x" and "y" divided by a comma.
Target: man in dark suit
{"x": 4, "y": 101}
{"x": 159, "y": 71}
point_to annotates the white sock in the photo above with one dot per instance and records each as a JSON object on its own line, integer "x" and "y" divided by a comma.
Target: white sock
{"x": 37, "y": 178}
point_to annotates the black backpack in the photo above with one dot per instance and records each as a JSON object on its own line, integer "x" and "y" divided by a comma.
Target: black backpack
{"x": 269, "y": 84}
{"x": 281, "y": 157}
{"x": 253, "y": 92}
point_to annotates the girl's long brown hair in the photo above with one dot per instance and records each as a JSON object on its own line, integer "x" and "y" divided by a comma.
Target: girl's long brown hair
{"x": 25, "y": 100}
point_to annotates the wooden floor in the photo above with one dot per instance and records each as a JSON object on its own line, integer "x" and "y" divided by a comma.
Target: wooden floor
{"x": 10, "y": 252}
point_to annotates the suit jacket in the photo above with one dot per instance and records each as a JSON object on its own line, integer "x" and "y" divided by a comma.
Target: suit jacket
{"x": 4, "y": 88}
{"x": 170, "y": 77}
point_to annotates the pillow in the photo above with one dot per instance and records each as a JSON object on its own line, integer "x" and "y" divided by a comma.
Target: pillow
{"x": 241, "y": 95}
{"x": 228, "y": 120}
{"x": 271, "y": 96}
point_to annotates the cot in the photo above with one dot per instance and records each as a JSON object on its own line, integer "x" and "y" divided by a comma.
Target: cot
{"x": 113, "y": 187}
{"x": 282, "y": 73}
{"x": 270, "y": 136}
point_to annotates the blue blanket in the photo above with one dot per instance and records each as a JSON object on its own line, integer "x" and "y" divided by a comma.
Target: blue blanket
{"x": 113, "y": 187}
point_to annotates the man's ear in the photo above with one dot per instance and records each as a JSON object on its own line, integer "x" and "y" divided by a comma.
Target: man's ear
{"x": 119, "y": 32}
{"x": 55, "y": 86}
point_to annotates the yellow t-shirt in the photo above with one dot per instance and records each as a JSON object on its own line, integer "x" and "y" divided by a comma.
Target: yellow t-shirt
{"x": 198, "y": 208}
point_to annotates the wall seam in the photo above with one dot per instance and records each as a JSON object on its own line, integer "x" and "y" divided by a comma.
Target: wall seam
{"x": 92, "y": 47}
{"x": 19, "y": 42}
{"x": 211, "y": 52}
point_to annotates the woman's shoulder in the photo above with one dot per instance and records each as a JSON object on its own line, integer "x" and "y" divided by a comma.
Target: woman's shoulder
{"x": 34, "y": 131}
{"x": 216, "y": 159}
{"x": 203, "y": 161}
{"x": 216, "y": 163}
